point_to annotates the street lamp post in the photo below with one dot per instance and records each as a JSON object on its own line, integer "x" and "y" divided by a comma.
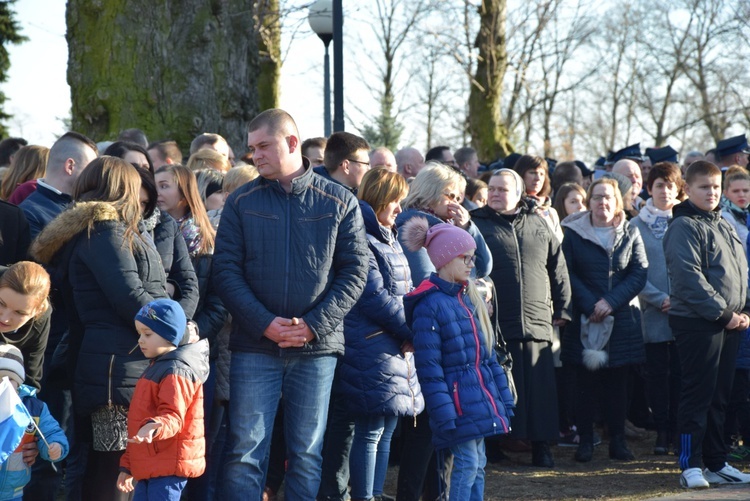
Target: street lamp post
{"x": 321, "y": 22}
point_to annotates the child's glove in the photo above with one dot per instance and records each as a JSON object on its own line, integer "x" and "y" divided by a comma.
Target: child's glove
{"x": 124, "y": 482}
{"x": 54, "y": 451}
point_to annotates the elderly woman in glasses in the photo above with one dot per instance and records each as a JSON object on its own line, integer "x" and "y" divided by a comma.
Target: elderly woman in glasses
{"x": 435, "y": 194}
{"x": 607, "y": 262}
{"x": 534, "y": 295}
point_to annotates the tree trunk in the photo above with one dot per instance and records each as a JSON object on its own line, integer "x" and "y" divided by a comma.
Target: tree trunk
{"x": 174, "y": 69}
{"x": 488, "y": 134}
{"x": 269, "y": 47}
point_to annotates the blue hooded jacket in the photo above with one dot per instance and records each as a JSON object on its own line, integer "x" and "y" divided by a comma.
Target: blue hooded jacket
{"x": 464, "y": 387}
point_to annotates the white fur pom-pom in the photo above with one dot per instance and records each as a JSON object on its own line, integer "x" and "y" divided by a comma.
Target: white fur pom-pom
{"x": 594, "y": 359}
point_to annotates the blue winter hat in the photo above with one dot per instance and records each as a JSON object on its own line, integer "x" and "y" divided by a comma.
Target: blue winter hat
{"x": 166, "y": 318}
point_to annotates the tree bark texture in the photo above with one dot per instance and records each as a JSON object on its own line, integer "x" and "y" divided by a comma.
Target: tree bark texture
{"x": 268, "y": 35}
{"x": 173, "y": 68}
{"x": 489, "y": 136}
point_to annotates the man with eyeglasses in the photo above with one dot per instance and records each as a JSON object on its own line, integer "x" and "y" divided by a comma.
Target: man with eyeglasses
{"x": 346, "y": 160}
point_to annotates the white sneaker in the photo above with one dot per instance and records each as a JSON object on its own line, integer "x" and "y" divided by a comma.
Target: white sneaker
{"x": 692, "y": 478}
{"x": 727, "y": 475}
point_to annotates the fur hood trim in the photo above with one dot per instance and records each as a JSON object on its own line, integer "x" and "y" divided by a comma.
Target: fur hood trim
{"x": 67, "y": 225}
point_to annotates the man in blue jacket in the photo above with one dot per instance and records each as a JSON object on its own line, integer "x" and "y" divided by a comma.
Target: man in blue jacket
{"x": 290, "y": 261}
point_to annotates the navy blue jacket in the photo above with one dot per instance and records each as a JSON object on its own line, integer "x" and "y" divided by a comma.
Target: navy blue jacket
{"x": 618, "y": 275}
{"x": 301, "y": 254}
{"x": 464, "y": 387}
{"x": 375, "y": 378}
{"x": 43, "y": 206}
{"x": 104, "y": 285}
{"x": 14, "y": 234}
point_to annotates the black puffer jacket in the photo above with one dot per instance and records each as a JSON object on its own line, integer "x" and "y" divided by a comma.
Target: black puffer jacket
{"x": 529, "y": 273}
{"x": 210, "y": 314}
{"x": 177, "y": 264}
{"x": 617, "y": 275}
{"x": 105, "y": 284}
{"x": 300, "y": 254}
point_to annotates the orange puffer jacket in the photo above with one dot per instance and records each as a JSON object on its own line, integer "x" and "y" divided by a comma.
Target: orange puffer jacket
{"x": 170, "y": 392}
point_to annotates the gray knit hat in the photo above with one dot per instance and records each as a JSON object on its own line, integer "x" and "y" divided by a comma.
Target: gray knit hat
{"x": 11, "y": 363}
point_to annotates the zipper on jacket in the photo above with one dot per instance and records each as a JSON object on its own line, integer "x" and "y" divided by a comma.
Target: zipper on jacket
{"x": 286, "y": 256}
{"x": 109, "y": 380}
{"x": 477, "y": 361}
{"x": 456, "y": 400}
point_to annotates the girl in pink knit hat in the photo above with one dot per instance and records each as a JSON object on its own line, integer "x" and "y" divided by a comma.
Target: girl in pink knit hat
{"x": 465, "y": 388}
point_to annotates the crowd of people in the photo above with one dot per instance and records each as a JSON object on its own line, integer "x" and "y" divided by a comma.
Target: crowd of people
{"x": 317, "y": 309}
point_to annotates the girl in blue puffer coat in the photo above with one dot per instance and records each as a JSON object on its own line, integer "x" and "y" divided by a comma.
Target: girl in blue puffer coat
{"x": 465, "y": 389}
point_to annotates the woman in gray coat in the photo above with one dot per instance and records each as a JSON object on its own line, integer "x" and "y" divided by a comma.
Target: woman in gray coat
{"x": 662, "y": 369}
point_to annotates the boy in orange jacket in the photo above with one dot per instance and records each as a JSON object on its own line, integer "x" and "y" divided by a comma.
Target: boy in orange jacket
{"x": 165, "y": 420}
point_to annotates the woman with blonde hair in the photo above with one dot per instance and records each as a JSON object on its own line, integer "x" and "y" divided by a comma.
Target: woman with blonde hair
{"x": 108, "y": 272}
{"x": 28, "y": 164}
{"x": 607, "y": 265}
{"x": 207, "y": 158}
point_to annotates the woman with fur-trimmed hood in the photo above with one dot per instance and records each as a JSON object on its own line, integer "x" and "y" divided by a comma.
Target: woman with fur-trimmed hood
{"x": 108, "y": 271}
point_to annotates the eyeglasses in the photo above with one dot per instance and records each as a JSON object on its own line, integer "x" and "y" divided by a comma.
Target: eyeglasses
{"x": 470, "y": 259}
{"x": 452, "y": 196}
{"x": 599, "y": 198}
{"x": 359, "y": 162}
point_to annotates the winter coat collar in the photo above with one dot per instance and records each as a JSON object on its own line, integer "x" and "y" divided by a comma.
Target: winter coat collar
{"x": 67, "y": 225}
{"x": 580, "y": 223}
{"x": 688, "y": 209}
{"x": 373, "y": 226}
{"x": 193, "y": 355}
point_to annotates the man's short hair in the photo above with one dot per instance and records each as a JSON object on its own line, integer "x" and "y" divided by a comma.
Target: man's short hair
{"x": 136, "y": 136}
{"x": 566, "y": 172}
{"x": 700, "y": 168}
{"x": 207, "y": 138}
{"x": 463, "y": 155}
{"x": 313, "y": 142}
{"x": 275, "y": 120}
{"x": 341, "y": 146}
{"x": 9, "y": 147}
{"x": 167, "y": 149}
{"x": 70, "y": 145}
{"x": 436, "y": 153}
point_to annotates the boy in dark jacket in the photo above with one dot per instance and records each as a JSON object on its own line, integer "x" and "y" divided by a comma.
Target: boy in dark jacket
{"x": 709, "y": 307}
{"x": 165, "y": 420}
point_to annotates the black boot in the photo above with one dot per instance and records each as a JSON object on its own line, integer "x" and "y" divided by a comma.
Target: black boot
{"x": 661, "y": 447}
{"x": 541, "y": 456}
{"x": 618, "y": 449}
{"x": 585, "y": 451}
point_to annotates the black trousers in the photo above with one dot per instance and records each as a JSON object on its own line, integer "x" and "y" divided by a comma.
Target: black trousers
{"x": 662, "y": 373}
{"x": 738, "y": 411}
{"x": 614, "y": 403}
{"x": 707, "y": 361}
{"x": 534, "y": 375}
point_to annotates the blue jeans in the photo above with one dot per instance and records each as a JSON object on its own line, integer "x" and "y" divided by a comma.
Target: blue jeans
{"x": 467, "y": 479}
{"x": 159, "y": 489}
{"x": 368, "y": 462}
{"x": 257, "y": 382}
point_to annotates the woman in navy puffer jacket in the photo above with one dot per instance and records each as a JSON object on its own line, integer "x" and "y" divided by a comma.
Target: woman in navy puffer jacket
{"x": 378, "y": 379}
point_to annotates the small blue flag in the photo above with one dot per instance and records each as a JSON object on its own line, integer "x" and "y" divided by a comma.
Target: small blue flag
{"x": 13, "y": 419}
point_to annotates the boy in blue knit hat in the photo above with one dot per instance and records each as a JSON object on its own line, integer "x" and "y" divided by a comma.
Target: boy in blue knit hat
{"x": 167, "y": 407}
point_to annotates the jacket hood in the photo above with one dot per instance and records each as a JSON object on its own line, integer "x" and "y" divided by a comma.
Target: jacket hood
{"x": 580, "y": 222}
{"x": 67, "y": 225}
{"x": 428, "y": 286}
{"x": 373, "y": 226}
{"x": 194, "y": 356}
{"x": 688, "y": 209}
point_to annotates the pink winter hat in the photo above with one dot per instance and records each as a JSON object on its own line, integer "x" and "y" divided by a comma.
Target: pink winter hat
{"x": 444, "y": 242}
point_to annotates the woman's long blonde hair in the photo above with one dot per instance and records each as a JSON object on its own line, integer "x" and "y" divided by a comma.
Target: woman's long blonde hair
{"x": 480, "y": 310}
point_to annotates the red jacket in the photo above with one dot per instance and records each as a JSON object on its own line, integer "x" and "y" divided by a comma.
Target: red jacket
{"x": 170, "y": 392}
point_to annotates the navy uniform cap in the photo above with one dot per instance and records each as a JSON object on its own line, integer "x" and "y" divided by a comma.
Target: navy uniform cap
{"x": 551, "y": 163}
{"x": 585, "y": 171}
{"x": 609, "y": 159}
{"x": 665, "y": 154}
{"x": 632, "y": 152}
{"x": 510, "y": 161}
{"x": 736, "y": 144}
{"x": 599, "y": 162}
